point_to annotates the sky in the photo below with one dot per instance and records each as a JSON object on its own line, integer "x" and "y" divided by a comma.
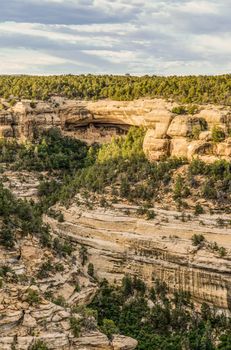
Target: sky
{"x": 159, "y": 37}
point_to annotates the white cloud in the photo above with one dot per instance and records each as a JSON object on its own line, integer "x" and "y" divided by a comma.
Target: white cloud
{"x": 19, "y": 60}
{"x": 116, "y": 36}
{"x": 200, "y": 7}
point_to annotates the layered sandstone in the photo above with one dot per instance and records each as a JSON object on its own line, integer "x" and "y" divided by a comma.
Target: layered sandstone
{"x": 156, "y": 249}
{"x": 167, "y": 134}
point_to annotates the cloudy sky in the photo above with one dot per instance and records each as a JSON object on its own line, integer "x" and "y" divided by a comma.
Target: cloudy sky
{"x": 115, "y": 36}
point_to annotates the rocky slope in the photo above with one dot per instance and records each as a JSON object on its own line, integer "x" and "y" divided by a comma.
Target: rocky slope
{"x": 37, "y": 304}
{"x": 43, "y": 289}
{"x": 168, "y": 134}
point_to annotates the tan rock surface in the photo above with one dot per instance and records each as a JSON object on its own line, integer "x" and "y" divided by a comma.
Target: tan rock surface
{"x": 179, "y": 147}
{"x": 97, "y": 121}
{"x": 155, "y": 149}
{"x": 118, "y": 244}
{"x": 182, "y": 126}
{"x": 120, "y": 342}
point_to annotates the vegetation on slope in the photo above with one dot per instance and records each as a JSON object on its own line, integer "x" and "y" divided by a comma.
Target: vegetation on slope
{"x": 188, "y": 89}
{"x": 51, "y": 152}
{"x": 159, "y": 321}
{"x": 19, "y": 217}
{"x": 118, "y": 170}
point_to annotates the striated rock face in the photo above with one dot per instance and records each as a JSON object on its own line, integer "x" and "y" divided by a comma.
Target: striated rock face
{"x": 168, "y": 134}
{"x": 156, "y": 249}
{"x": 25, "y": 321}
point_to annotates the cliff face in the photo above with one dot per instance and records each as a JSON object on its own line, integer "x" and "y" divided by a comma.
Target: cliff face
{"x": 168, "y": 134}
{"x": 156, "y": 249}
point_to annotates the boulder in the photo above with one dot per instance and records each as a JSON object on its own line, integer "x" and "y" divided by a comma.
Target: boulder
{"x": 158, "y": 119}
{"x": 121, "y": 342}
{"x": 205, "y": 136}
{"x": 179, "y": 147}
{"x": 216, "y": 116}
{"x": 183, "y": 125}
{"x": 29, "y": 321}
{"x": 199, "y": 148}
{"x": 223, "y": 149}
{"x": 22, "y": 107}
{"x": 92, "y": 341}
{"x": 155, "y": 149}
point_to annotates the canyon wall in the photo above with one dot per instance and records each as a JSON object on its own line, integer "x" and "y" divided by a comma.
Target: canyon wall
{"x": 156, "y": 249}
{"x": 168, "y": 134}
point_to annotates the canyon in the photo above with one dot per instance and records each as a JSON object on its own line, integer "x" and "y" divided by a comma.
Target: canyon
{"x": 117, "y": 239}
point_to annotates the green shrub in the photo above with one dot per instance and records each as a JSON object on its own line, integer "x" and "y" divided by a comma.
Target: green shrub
{"x": 32, "y": 297}
{"x": 193, "y": 109}
{"x": 150, "y": 214}
{"x": 184, "y": 89}
{"x": 90, "y": 270}
{"x": 109, "y": 328}
{"x": 179, "y": 110}
{"x": 198, "y": 239}
{"x": 60, "y": 301}
{"x": 222, "y": 252}
{"x": 198, "y": 209}
{"x": 83, "y": 255}
{"x": 62, "y": 247}
{"x": 218, "y": 135}
{"x": 75, "y": 327}
{"x": 39, "y": 345}
{"x": 208, "y": 190}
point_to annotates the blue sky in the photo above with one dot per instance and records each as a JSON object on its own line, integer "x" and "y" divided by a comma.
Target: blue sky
{"x": 121, "y": 36}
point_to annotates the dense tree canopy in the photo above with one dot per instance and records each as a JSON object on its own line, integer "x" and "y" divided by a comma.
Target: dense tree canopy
{"x": 171, "y": 323}
{"x": 188, "y": 89}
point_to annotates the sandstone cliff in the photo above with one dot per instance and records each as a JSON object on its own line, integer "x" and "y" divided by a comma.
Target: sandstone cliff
{"x": 154, "y": 249}
{"x": 167, "y": 134}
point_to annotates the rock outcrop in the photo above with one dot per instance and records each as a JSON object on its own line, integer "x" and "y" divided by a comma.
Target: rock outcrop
{"x": 168, "y": 134}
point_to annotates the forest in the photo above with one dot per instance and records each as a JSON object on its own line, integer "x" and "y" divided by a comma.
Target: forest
{"x": 185, "y": 89}
{"x": 118, "y": 169}
{"x": 171, "y": 323}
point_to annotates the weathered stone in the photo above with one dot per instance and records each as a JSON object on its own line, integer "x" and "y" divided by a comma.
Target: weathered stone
{"x": 29, "y": 321}
{"x": 155, "y": 149}
{"x": 123, "y": 343}
{"x": 183, "y": 125}
{"x": 179, "y": 147}
{"x": 6, "y": 343}
{"x": 223, "y": 149}
{"x": 200, "y": 148}
{"x": 216, "y": 116}
{"x": 91, "y": 341}
{"x": 119, "y": 244}
{"x": 205, "y": 136}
